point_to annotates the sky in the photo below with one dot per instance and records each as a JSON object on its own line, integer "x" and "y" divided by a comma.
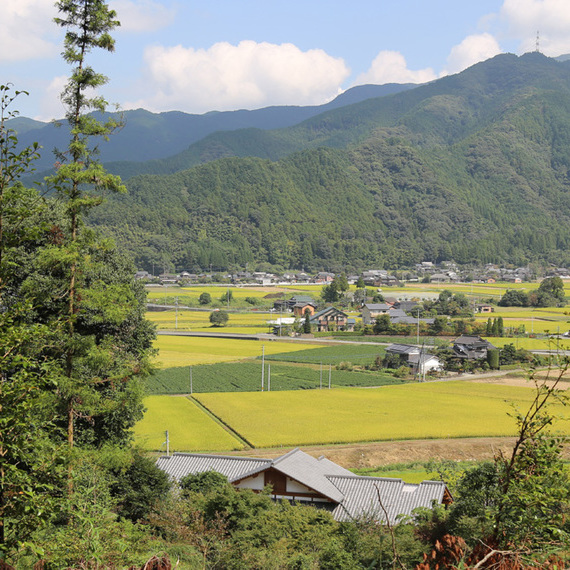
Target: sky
{"x": 198, "y": 56}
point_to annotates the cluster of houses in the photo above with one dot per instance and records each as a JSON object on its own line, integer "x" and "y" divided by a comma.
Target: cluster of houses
{"x": 333, "y": 319}
{"x": 444, "y": 272}
{"x": 305, "y": 480}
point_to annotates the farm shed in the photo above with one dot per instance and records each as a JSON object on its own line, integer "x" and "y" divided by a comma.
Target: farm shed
{"x": 299, "y": 477}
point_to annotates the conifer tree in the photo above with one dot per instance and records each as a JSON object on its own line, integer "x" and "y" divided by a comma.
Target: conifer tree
{"x": 100, "y": 299}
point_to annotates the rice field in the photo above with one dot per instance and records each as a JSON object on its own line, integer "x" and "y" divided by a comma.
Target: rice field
{"x": 348, "y": 415}
{"x": 185, "y": 320}
{"x": 190, "y": 351}
{"x": 189, "y": 427}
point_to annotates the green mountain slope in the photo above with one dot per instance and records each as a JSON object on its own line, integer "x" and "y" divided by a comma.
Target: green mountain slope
{"x": 473, "y": 167}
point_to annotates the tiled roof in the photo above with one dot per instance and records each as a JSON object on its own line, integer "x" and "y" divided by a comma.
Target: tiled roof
{"x": 355, "y": 496}
{"x": 179, "y": 465}
{"x": 311, "y": 472}
{"x": 376, "y": 497}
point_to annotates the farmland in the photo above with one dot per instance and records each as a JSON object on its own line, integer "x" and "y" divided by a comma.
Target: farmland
{"x": 189, "y": 427}
{"x": 226, "y": 380}
{"x": 186, "y": 351}
{"x": 352, "y": 415}
{"x": 246, "y": 377}
{"x": 343, "y": 415}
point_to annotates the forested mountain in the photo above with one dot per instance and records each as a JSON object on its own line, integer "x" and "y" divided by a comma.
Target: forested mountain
{"x": 147, "y": 136}
{"x": 472, "y": 167}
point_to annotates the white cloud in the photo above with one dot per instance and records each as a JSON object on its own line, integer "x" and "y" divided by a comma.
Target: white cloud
{"x": 50, "y": 103}
{"x": 391, "y": 67}
{"x": 141, "y": 15}
{"x": 549, "y": 17}
{"x": 249, "y": 75}
{"x": 23, "y": 31}
{"x": 471, "y": 50}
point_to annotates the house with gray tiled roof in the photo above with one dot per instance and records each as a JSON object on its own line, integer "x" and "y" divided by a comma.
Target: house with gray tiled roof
{"x": 301, "y": 478}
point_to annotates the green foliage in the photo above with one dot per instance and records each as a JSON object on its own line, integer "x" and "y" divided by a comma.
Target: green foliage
{"x": 514, "y": 298}
{"x": 219, "y": 318}
{"x": 205, "y": 298}
{"x": 206, "y": 482}
{"x": 439, "y": 188}
{"x": 493, "y": 358}
{"x": 331, "y": 293}
{"x": 138, "y": 487}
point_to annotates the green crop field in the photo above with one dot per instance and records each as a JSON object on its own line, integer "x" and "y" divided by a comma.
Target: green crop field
{"x": 355, "y": 353}
{"x": 246, "y": 377}
{"x": 189, "y": 427}
{"x": 345, "y": 415}
{"x": 190, "y": 351}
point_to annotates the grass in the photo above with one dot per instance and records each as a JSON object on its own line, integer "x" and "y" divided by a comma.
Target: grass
{"x": 409, "y": 472}
{"x": 189, "y": 427}
{"x": 412, "y": 411}
{"x": 246, "y": 377}
{"x": 191, "y": 351}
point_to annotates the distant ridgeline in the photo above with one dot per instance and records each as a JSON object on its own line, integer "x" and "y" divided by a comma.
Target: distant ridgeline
{"x": 472, "y": 167}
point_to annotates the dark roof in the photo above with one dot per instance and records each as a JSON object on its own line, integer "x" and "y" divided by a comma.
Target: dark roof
{"x": 403, "y": 349}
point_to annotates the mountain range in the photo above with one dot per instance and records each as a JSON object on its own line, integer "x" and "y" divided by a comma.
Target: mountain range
{"x": 472, "y": 167}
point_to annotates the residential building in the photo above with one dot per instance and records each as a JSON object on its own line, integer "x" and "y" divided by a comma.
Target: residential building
{"x": 302, "y": 479}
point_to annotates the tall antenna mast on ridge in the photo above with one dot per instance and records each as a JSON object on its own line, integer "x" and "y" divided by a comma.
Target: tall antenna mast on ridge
{"x": 537, "y": 48}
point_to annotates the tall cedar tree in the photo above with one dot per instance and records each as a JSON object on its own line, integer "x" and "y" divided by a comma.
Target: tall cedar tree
{"x": 98, "y": 304}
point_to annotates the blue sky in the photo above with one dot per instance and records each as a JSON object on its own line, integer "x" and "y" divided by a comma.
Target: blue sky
{"x": 198, "y": 56}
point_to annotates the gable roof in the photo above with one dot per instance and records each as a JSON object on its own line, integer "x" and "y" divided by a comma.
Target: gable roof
{"x": 383, "y": 499}
{"x": 311, "y": 472}
{"x": 179, "y": 465}
{"x": 355, "y": 496}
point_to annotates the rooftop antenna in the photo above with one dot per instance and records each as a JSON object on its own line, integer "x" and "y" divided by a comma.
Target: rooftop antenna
{"x": 537, "y": 48}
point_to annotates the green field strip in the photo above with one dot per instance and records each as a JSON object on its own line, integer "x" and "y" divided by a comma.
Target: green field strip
{"x": 190, "y": 427}
{"x": 246, "y": 377}
{"x": 219, "y": 421}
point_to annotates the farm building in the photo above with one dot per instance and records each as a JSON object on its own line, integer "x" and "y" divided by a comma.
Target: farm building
{"x": 299, "y": 477}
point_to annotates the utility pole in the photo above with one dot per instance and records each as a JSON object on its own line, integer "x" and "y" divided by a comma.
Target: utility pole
{"x": 262, "y": 365}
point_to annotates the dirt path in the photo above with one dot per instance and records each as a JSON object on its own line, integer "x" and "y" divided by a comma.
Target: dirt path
{"x": 360, "y": 455}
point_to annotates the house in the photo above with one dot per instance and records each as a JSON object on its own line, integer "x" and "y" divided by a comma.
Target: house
{"x": 329, "y": 319}
{"x": 424, "y": 363}
{"x": 471, "y": 347}
{"x": 415, "y": 357}
{"x": 484, "y": 308}
{"x": 298, "y": 477}
{"x": 440, "y": 278}
{"x": 289, "y": 304}
{"x": 300, "y": 308}
{"x": 372, "y": 310}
